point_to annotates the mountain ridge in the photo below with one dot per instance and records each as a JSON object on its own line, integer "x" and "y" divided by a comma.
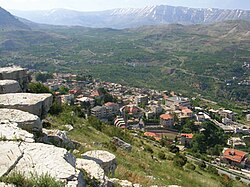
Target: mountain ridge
{"x": 134, "y": 17}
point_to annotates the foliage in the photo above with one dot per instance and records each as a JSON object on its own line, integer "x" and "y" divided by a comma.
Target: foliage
{"x": 162, "y": 156}
{"x": 63, "y": 90}
{"x": 37, "y": 87}
{"x": 43, "y": 77}
{"x": 190, "y": 166}
{"x": 20, "y": 180}
{"x": 56, "y": 108}
{"x": 174, "y": 149}
{"x": 179, "y": 160}
{"x": 147, "y": 148}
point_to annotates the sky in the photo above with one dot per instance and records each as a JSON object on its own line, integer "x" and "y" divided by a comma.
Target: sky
{"x": 96, "y": 5}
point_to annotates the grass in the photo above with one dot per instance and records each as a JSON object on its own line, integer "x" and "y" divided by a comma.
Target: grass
{"x": 140, "y": 166}
{"x": 19, "y": 180}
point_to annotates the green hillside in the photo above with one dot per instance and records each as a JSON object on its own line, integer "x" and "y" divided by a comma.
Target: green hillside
{"x": 199, "y": 59}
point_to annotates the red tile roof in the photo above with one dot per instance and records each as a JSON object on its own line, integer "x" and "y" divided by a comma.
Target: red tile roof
{"x": 166, "y": 116}
{"x": 190, "y": 136}
{"x": 152, "y": 134}
{"x": 234, "y": 155}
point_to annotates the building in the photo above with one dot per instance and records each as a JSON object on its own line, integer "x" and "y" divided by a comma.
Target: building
{"x": 84, "y": 100}
{"x": 112, "y": 108}
{"x": 185, "y": 139}
{"x": 227, "y": 114}
{"x": 153, "y": 135}
{"x": 236, "y": 142}
{"x": 248, "y": 117}
{"x": 167, "y": 120}
{"x": 119, "y": 122}
{"x": 99, "y": 112}
{"x": 235, "y": 157}
{"x": 141, "y": 100}
{"x": 177, "y": 101}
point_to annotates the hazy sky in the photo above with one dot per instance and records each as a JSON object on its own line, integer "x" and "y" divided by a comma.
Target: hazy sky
{"x": 93, "y": 5}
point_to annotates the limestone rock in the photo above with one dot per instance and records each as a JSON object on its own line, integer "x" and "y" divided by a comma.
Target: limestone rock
{"x": 6, "y": 185}
{"x": 41, "y": 159}
{"x": 93, "y": 169}
{"x": 25, "y": 120}
{"x": 37, "y": 104}
{"x": 16, "y": 73}
{"x": 9, "y": 86}
{"x": 59, "y": 138}
{"x": 123, "y": 183}
{"x": 120, "y": 143}
{"x": 106, "y": 160}
{"x": 10, "y": 155}
{"x": 11, "y": 131}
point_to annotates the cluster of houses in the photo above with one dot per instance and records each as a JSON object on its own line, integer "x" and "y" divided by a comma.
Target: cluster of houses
{"x": 139, "y": 107}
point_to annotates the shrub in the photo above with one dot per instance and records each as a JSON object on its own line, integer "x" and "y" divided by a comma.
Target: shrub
{"x": 162, "y": 156}
{"x": 148, "y": 149}
{"x": 37, "y": 87}
{"x": 212, "y": 169}
{"x": 180, "y": 160}
{"x": 202, "y": 165}
{"x": 174, "y": 149}
{"x": 190, "y": 166}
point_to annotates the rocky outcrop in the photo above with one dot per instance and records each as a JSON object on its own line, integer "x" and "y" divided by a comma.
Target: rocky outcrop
{"x": 93, "y": 169}
{"x": 25, "y": 120}
{"x": 58, "y": 138}
{"x": 106, "y": 160}
{"x": 123, "y": 183}
{"x": 121, "y": 144}
{"x": 11, "y": 131}
{"x": 9, "y": 86}
{"x": 2, "y": 184}
{"x": 37, "y": 104}
{"x": 16, "y": 73}
{"x": 40, "y": 159}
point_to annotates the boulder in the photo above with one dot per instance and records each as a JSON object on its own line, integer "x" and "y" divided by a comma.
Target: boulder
{"x": 16, "y": 73}
{"x": 106, "y": 160}
{"x": 123, "y": 183}
{"x": 9, "y": 86}
{"x": 30, "y": 158}
{"x": 11, "y": 131}
{"x": 58, "y": 138}
{"x": 2, "y": 184}
{"x": 25, "y": 120}
{"x": 93, "y": 169}
{"x": 37, "y": 104}
{"x": 120, "y": 143}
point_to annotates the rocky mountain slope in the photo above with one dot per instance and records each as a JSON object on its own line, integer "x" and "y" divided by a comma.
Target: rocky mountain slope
{"x": 8, "y": 21}
{"x": 132, "y": 17}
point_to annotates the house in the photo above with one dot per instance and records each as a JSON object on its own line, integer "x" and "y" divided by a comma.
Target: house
{"x": 185, "y": 139}
{"x": 111, "y": 108}
{"x": 186, "y": 112}
{"x": 227, "y": 114}
{"x": 235, "y": 157}
{"x": 89, "y": 100}
{"x": 153, "y": 135}
{"x": 167, "y": 120}
{"x": 236, "y": 142}
{"x": 99, "y": 112}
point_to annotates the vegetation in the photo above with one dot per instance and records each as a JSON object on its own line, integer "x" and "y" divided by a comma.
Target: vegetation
{"x": 18, "y": 179}
{"x": 37, "y": 87}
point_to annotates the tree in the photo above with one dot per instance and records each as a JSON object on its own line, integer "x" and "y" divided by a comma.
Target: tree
{"x": 43, "y": 77}
{"x": 37, "y": 87}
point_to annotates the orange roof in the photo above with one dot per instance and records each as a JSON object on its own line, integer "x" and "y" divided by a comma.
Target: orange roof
{"x": 109, "y": 104}
{"x": 190, "y": 136}
{"x": 166, "y": 116}
{"x": 234, "y": 155}
{"x": 186, "y": 110}
{"x": 154, "y": 135}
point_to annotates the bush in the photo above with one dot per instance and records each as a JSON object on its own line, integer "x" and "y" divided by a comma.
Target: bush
{"x": 190, "y": 166}
{"x": 180, "y": 160}
{"x": 174, "y": 149}
{"x": 148, "y": 149}
{"x": 202, "y": 165}
{"x": 212, "y": 170}
{"x": 162, "y": 156}
{"x": 37, "y": 87}
{"x": 55, "y": 109}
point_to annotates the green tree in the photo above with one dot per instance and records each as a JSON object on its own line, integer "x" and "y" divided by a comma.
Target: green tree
{"x": 180, "y": 160}
{"x": 37, "y": 87}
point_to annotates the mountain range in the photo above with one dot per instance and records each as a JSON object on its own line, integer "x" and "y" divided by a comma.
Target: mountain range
{"x": 133, "y": 17}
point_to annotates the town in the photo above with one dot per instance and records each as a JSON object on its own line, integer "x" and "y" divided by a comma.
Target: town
{"x": 163, "y": 117}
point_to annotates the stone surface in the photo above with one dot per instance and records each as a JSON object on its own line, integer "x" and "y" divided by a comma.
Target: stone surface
{"x": 37, "y": 104}
{"x": 93, "y": 169}
{"x": 16, "y": 73}
{"x": 9, "y": 86}
{"x": 120, "y": 143}
{"x": 6, "y": 185}
{"x": 11, "y": 131}
{"x": 106, "y": 160}
{"x": 40, "y": 159}
{"x": 25, "y": 120}
{"x": 58, "y": 138}
{"x": 123, "y": 183}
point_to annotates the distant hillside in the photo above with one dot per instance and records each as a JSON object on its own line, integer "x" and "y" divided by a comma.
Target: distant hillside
{"x": 8, "y": 21}
{"x": 130, "y": 17}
